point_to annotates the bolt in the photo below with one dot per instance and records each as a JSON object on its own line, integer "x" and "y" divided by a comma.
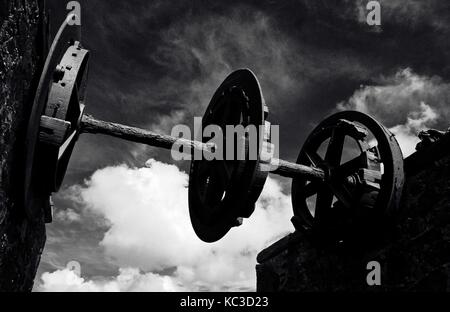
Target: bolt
{"x": 59, "y": 72}
{"x": 352, "y": 180}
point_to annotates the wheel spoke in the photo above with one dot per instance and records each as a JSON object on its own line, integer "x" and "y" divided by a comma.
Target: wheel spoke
{"x": 66, "y": 145}
{"x": 310, "y": 189}
{"x": 335, "y": 148}
{"x": 323, "y": 203}
{"x": 352, "y": 166}
{"x": 343, "y": 195}
{"x": 313, "y": 158}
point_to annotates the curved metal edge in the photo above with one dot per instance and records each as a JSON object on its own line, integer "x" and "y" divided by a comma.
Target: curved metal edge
{"x": 222, "y": 228}
{"x": 399, "y": 174}
{"x": 259, "y": 176}
{"x": 66, "y": 34}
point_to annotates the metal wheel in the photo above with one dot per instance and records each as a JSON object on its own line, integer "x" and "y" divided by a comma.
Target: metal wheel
{"x": 221, "y": 192}
{"x": 33, "y": 186}
{"x": 364, "y": 167}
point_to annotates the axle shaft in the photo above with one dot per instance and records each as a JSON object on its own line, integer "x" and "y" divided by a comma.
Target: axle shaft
{"x": 137, "y": 135}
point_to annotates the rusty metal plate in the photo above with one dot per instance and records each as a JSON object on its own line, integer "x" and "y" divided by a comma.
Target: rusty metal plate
{"x": 364, "y": 166}
{"x": 221, "y": 193}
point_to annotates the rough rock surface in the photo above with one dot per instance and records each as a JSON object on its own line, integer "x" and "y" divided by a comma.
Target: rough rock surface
{"x": 21, "y": 50}
{"x": 414, "y": 257}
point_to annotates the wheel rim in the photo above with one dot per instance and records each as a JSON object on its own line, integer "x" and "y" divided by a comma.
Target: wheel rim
{"x": 379, "y": 151}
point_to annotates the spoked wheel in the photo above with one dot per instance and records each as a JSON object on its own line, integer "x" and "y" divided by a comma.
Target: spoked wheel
{"x": 364, "y": 175}
{"x": 222, "y": 192}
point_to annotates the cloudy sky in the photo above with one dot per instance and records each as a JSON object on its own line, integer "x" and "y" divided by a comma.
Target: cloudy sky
{"x": 122, "y": 213}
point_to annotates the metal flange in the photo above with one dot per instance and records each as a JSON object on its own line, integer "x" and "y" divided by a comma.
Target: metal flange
{"x": 33, "y": 187}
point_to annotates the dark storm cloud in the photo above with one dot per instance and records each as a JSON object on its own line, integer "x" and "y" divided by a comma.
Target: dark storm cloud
{"x": 156, "y": 63}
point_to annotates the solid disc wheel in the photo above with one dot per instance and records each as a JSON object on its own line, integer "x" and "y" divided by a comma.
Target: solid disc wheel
{"x": 223, "y": 191}
{"x": 364, "y": 167}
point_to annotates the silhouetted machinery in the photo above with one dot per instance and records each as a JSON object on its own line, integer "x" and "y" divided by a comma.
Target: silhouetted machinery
{"x": 349, "y": 171}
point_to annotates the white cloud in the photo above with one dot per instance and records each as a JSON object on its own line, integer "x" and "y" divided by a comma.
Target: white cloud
{"x": 67, "y": 216}
{"x": 406, "y": 103}
{"x": 417, "y": 121}
{"x": 150, "y": 230}
{"x": 128, "y": 280}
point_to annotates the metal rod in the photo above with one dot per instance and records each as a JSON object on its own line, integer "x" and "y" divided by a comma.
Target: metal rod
{"x": 137, "y": 135}
{"x": 291, "y": 170}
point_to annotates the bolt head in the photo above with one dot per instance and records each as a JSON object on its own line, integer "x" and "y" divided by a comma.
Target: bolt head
{"x": 58, "y": 74}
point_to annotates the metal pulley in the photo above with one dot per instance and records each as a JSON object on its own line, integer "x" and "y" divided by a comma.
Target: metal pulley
{"x": 222, "y": 192}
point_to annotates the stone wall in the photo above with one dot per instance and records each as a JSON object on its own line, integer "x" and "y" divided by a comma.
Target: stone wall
{"x": 22, "y": 46}
{"x": 415, "y": 256}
